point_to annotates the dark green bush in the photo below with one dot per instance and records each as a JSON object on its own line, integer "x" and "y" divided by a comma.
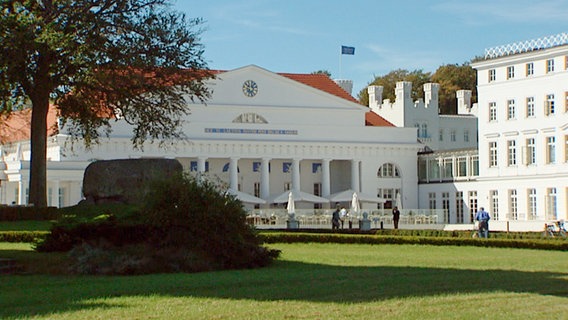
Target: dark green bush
{"x": 182, "y": 226}
{"x": 195, "y": 215}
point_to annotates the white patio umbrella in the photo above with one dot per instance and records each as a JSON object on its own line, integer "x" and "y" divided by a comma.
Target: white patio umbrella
{"x": 347, "y": 195}
{"x": 245, "y": 197}
{"x": 355, "y": 207}
{"x": 297, "y": 196}
{"x": 291, "y": 207}
{"x": 399, "y": 201}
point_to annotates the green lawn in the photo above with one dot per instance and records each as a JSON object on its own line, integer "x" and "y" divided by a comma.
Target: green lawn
{"x": 312, "y": 281}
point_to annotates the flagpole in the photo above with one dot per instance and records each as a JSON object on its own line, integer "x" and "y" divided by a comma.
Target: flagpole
{"x": 340, "y": 71}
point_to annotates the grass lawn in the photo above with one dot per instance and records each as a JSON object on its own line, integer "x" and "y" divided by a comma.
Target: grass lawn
{"x": 310, "y": 281}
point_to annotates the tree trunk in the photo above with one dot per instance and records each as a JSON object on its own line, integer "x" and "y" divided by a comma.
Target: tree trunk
{"x": 38, "y": 141}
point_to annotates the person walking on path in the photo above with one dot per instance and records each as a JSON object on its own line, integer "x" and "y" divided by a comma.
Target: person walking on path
{"x": 395, "y": 217}
{"x": 335, "y": 219}
{"x": 483, "y": 217}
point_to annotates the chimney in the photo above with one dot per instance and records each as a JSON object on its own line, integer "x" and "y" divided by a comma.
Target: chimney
{"x": 346, "y": 85}
{"x": 375, "y": 96}
{"x": 431, "y": 94}
{"x": 464, "y": 101}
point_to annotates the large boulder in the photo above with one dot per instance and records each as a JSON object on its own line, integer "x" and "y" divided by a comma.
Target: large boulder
{"x": 124, "y": 180}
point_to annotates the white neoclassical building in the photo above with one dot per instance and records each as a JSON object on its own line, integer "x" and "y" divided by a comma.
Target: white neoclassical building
{"x": 519, "y": 172}
{"x": 262, "y": 133}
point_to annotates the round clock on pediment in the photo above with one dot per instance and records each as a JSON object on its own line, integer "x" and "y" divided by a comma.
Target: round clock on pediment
{"x": 250, "y": 88}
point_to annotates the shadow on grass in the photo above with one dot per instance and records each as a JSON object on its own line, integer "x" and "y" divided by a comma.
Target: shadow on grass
{"x": 22, "y": 296}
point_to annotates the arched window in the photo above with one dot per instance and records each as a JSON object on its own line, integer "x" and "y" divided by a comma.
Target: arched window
{"x": 388, "y": 170}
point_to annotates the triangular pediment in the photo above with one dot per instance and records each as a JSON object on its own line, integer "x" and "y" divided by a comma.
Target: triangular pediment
{"x": 255, "y": 86}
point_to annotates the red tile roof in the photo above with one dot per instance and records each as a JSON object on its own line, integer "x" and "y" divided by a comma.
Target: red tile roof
{"x": 17, "y": 126}
{"x": 324, "y": 83}
{"x": 321, "y": 82}
{"x": 373, "y": 119}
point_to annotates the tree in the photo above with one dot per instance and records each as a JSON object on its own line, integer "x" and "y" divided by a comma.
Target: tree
{"x": 327, "y": 73}
{"x": 94, "y": 60}
{"x": 388, "y": 81}
{"x": 453, "y": 77}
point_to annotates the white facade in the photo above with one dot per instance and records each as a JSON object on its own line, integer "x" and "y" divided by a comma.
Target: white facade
{"x": 282, "y": 134}
{"x": 523, "y": 120}
{"x": 522, "y": 158}
{"x": 438, "y": 132}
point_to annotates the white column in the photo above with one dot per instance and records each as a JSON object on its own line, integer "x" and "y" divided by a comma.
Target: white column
{"x": 355, "y": 175}
{"x": 201, "y": 164}
{"x": 200, "y": 167}
{"x": 265, "y": 178}
{"x": 325, "y": 178}
{"x": 234, "y": 173}
{"x": 22, "y": 184}
{"x": 54, "y": 193}
{"x": 296, "y": 174}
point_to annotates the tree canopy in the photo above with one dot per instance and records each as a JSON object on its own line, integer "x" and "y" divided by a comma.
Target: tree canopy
{"x": 451, "y": 77}
{"x": 95, "y": 60}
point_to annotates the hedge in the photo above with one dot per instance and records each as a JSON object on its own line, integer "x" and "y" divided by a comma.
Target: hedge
{"x": 298, "y": 237}
{"x": 19, "y": 213}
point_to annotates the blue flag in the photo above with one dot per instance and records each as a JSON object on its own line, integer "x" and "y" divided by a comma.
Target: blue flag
{"x": 347, "y": 50}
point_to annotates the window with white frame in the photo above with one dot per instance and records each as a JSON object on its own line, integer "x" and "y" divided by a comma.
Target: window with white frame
{"x": 550, "y": 150}
{"x": 551, "y": 204}
{"x": 531, "y": 206}
{"x": 424, "y": 130}
{"x": 530, "y": 107}
{"x": 531, "y": 151}
{"x": 513, "y": 212}
{"x": 491, "y": 75}
{"x": 549, "y": 65}
{"x": 317, "y": 192}
{"x": 512, "y": 152}
{"x": 510, "y": 72}
{"x": 530, "y": 68}
{"x": 441, "y": 135}
{"x": 453, "y": 135}
{"x": 432, "y": 200}
{"x": 417, "y": 126}
{"x": 459, "y": 206}
{"x": 388, "y": 170}
{"x": 492, "y": 111}
{"x": 493, "y": 154}
{"x": 466, "y": 135}
{"x": 446, "y": 206}
{"x": 256, "y": 189}
{"x": 474, "y": 165}
{"x": 549, "y": 104}
{"x": 510, "y": 109}
{"x": 472, "y": 195}
{"x": 61, "y": 197}
{"x": 462, "y": 167}
{"x": 494, "y": 201}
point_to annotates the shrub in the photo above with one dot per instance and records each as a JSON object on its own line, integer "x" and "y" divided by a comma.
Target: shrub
{"x": 196, "y": 215}
{"x": 183, "y": 225}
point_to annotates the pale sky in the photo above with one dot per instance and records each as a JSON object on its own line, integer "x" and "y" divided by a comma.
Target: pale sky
{"x": 302, "y": 36}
